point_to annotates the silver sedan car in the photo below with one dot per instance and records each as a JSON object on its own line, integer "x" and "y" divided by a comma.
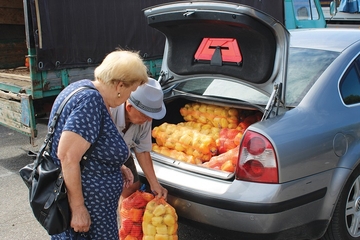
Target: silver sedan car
{"x": 297, "y": 172}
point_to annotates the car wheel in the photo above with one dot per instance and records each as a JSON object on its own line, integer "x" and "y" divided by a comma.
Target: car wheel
{"x": 345, "y": 223}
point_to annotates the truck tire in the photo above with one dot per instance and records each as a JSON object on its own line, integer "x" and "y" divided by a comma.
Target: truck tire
{"x": 345, "y": 223}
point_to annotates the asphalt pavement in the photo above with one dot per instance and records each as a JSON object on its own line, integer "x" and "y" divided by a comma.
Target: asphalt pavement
{"x": 16, "y": 219}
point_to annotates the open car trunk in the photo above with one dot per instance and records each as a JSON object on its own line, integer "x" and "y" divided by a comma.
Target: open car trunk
{"x": 232, "y": 48}
{"x": 201, "y": 137}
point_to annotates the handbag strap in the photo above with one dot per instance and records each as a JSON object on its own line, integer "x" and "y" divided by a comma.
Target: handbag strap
{"x": 52, "y": 125}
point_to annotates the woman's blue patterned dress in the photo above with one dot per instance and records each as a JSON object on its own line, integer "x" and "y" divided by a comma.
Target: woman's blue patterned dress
{"x": 102, "y": 183}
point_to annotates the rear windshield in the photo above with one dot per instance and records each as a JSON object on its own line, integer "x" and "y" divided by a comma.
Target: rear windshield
{"x": 305, "y": 67}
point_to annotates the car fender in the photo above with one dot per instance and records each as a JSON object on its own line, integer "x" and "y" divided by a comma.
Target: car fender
{"x": 338, "y": 180}
{"x": 346, "y": 165}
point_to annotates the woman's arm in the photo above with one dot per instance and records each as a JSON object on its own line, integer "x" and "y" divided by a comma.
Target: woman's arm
{"x": 70, "y": 151}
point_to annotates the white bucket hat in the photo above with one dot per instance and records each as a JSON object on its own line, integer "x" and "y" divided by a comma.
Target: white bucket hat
{"x": 148, "y": 99}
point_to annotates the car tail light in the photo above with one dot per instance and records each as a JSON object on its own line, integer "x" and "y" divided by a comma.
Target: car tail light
{"x": 257, "y": 160}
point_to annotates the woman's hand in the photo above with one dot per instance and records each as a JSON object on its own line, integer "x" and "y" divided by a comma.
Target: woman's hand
{"x": 128, "y": 177}
{"x": 80, "y": 219}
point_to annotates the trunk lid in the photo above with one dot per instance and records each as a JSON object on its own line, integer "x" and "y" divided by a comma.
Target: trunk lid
{"x": 223, "y": 40}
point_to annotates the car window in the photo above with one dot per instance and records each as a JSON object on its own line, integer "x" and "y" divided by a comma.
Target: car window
{"x": 350, "y": 84}
{"x": 305, "y": 10}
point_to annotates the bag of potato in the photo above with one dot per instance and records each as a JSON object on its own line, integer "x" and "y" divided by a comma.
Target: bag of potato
{"x": 226, "y": 161}
{"x": 131, "y": 214}
{"x": 184, "y": 139}
{"x": 217, "y": 116}
{"x": 160, "y": 221}
{"x": 228, "y": 139}
{"x": 181, "y": 156}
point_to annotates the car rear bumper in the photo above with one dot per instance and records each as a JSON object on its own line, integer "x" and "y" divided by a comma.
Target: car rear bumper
{"x": 246, "y": 207}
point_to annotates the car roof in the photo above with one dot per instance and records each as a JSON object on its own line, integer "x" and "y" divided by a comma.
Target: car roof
{"x": 330, "y": 39}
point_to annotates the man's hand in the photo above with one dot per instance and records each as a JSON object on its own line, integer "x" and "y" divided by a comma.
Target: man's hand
{"x": 159, "y": 191}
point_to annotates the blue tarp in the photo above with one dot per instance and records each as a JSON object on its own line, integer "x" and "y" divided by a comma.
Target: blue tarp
{"x": 350, "y": 6}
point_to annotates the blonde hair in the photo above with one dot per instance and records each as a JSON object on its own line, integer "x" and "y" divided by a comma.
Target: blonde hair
{"x": 122, "y": 65}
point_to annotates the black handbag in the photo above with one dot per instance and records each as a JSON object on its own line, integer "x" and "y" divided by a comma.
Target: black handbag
{"x": 47, "y": 191}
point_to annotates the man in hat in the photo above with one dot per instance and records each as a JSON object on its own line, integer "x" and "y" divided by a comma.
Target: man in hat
{"x": 133, "y": 119}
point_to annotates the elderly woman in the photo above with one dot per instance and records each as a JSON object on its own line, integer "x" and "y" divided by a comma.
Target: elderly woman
{"x": 94, "y": 190}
